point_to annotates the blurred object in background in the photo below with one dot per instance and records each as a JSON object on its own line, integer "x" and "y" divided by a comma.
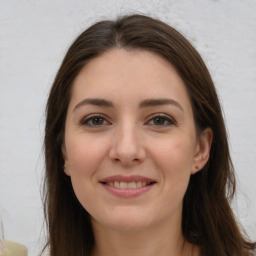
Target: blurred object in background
{"x": 13, "y": 249}
{"x": 1, "y": 235}
{"x": 9, "y": 248}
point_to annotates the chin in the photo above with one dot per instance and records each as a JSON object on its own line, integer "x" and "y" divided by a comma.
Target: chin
{"x": 128, "y": 225}
{"x": 126, "y": 220}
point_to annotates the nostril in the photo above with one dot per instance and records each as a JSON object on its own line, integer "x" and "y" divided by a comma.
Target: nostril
{"x": 126, "y": 161}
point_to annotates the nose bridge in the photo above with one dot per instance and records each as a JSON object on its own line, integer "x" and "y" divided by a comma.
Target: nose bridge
{"x": 127, "y": 144}
{"x": 126, "y": 136}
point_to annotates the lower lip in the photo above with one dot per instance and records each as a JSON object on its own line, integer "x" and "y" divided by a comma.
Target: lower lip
{"x": 128, "y": 193}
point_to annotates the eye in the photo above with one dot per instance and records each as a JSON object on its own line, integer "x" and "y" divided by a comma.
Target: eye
{"x": 161, "y": 120}
{"x": 94, "y": 121}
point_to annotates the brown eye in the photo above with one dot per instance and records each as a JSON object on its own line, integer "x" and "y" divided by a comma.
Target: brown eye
{"x": 161, "y": 120}
{"x": 95, "y": 120}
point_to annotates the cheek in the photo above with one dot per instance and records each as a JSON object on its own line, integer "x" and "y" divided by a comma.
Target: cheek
{"x": 85, "y": 157}
{"x": 174, "y": 155}
{"x": 85, "y": 154}
{"x": 174, "y": 160}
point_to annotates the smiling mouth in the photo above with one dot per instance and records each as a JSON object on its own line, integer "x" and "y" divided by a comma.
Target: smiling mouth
{"x": 128, "y": 185}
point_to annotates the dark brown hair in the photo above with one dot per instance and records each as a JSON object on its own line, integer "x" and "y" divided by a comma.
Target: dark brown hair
{"x": 207, "y": 220}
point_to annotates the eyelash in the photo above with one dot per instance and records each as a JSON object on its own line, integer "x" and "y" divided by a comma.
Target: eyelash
{"x": 85, "y": 121}
{"x": 170, "y": 121}
{"x": 92, "y": 117}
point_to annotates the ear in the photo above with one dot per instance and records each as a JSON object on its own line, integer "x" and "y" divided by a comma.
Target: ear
{"x": 202, "y": 150}
{"x": 66, "y": 162}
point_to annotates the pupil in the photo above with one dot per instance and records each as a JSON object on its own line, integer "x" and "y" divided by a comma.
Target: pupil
{"x": 159, "y": 120}
{"x": 97, "y": 121}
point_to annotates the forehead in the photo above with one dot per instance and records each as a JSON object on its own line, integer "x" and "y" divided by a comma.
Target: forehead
{"x": 128, "y": 75}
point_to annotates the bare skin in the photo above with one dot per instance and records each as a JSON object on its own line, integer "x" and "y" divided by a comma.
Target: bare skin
{"x": 129, "y": 120}
{"x": 145, "y": 243}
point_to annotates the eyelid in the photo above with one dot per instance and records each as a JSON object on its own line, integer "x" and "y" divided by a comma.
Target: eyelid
{"x": 90, "y": 117}
{"x": 171, "y": 120}
{"x": 84, "y": 121}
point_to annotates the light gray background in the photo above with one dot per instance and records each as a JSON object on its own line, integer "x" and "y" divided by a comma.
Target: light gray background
{"x": 34, "y": 36}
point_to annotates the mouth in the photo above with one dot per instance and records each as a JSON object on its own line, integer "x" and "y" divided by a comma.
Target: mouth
{"x": 127, "y": 186}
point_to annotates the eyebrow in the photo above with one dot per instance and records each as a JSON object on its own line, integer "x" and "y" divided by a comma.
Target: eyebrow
{"x": 95, "y": 102}
{"x": 145, "y": 103}
{"x": 159, "y": 102}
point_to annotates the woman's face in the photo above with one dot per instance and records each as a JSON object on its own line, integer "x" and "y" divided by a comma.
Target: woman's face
{"x": 130, "y": 141}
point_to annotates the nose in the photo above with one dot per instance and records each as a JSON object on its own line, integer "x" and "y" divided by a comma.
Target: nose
{"x": 127, "y": 147}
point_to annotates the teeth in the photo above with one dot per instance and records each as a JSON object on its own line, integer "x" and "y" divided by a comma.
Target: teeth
{"x": 130, "y": 185}
{"x": 116, "y": 184}
{"x": 139, "y": 184}
{"x": 123, "y": 185}
{"x": 144, "y": 183}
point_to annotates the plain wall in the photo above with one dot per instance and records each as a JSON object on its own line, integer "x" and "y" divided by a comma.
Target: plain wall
{"x": 34, "y": 36}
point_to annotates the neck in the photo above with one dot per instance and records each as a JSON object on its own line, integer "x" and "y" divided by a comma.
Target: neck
{"x": 152, "y": 241}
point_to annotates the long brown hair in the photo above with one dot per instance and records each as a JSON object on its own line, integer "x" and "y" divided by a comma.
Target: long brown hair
{"x": 207, "y": 220}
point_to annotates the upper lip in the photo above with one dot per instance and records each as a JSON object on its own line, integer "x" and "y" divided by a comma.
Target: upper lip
{"x": 121, "y": 178}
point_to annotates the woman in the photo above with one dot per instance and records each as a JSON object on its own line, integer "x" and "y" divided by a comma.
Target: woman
{"x": 137, "y": 158}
